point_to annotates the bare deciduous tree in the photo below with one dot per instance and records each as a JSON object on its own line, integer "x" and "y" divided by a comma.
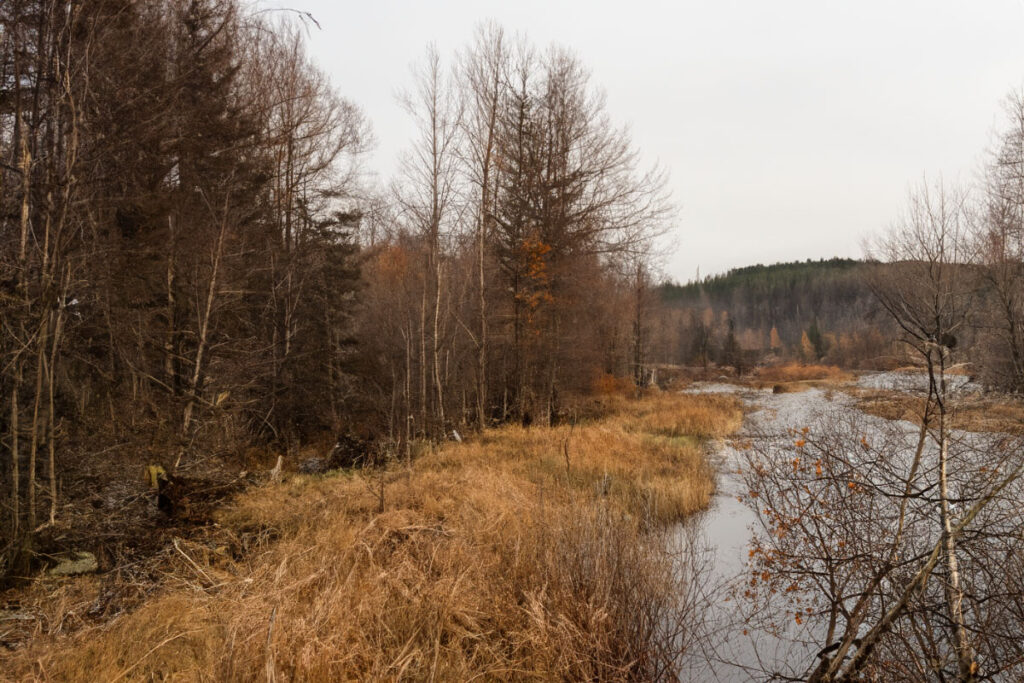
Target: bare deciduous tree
{"x": 1002, "y": 251}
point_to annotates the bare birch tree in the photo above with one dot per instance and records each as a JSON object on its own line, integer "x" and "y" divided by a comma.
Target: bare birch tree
{"x": 427, "y": 193}
{"x": 1002, "y": 251}
{"x": 484, "y": 74}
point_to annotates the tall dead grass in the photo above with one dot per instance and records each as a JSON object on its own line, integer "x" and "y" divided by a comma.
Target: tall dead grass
{"x": 522, "y": 554}
{"x": 799, "y": 372}
{"x": 699, "y": 416}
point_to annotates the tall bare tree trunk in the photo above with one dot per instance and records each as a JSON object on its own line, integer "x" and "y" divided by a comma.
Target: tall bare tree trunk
{"x": 25, "y": 159}
{"x": 484, "y": 73}
{"x": 51, "y": 435}
{"x": 423, "y": 350}
{"x": 640, "y": 294}
{"x": 481, "y": 359}
{"x": 967, "y": 668}
{"x": 15, "y": 455}
{"x": 50, "y": 427}
{"x": 170, "y": 337}
{"x": 204, "y": 330}
{"x": 34, "y": 444}
{"x": 438, "y": 381}
{"x": 430, "y": 173}
{"x": 408, "y": 391}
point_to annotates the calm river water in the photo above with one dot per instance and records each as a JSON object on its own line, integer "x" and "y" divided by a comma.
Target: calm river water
{"x": 729, "y": 649}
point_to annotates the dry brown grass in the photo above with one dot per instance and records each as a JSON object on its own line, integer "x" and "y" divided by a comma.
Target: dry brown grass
{"x": 703, "y": 416}
{"x": 499, "y": 558}
{"x": 972, "y": 414}
{"x": 959, "y": 369}
{"x": 796, "y": 377}
{"x": 798, "y": 372}
{"x": 610, "y": 385}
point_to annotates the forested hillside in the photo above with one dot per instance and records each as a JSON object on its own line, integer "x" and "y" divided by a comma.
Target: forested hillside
{"x": 810, "y": 310}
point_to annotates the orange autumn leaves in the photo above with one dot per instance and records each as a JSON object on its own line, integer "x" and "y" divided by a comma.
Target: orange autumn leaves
{"x": 798, "y": 483}
{"x": 801, "y": 443}
{"x": 536, "y": 288}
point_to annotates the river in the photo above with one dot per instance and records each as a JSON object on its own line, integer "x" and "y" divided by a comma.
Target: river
{"x": 728, "y": 648}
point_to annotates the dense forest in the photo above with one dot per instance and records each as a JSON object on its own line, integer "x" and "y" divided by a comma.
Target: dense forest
{"x": 193, "y": 266}
{"x": 193, "y": 262}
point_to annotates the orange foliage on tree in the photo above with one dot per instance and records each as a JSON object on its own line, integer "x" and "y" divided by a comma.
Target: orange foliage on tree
{"x": 807, "y": 348}
{"x": 392, "y": 263}
{"x": 537, "y": 289}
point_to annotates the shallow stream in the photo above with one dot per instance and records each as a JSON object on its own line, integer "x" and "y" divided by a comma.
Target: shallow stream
{"x": 727, "y": 649}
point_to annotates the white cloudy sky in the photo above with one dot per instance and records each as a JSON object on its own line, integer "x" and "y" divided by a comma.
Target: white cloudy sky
{"x": 791, "y": 128}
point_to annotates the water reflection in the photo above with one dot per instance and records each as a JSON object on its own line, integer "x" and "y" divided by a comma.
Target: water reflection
{"x": 727, "y": 647}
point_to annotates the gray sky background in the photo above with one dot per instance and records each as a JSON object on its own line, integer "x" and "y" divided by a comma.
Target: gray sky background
{"x": 791, "y": 129}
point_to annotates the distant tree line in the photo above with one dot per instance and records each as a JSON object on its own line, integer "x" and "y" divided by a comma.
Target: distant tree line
{"x": 811, "y": 311}
{"x": 829, "y": 310}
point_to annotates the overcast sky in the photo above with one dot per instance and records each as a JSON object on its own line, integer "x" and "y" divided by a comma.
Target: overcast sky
{"x": 791, "y": 128}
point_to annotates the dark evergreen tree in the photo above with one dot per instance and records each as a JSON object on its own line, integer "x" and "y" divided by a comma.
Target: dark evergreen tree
{"x": 732, "y": 354}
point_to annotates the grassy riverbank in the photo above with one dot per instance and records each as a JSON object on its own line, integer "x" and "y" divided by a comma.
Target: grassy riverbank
{"x": 971, "y": 412}
{"x": 520, "y": 554}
